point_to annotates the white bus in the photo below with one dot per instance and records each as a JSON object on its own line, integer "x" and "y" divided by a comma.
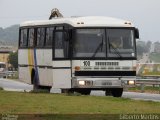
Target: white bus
{"x": 78, "y": 54}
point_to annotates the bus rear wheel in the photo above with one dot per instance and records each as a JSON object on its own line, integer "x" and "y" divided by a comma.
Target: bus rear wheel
{"x": 117, "y": 92}
{"x": 35, "y": 82}
{"x": 45, "y": 88}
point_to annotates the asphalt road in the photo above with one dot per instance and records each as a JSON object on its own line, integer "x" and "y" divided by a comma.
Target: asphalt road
{"x": 133, "y": 95}
{"x": 11, "y": 85}
{"x": 145, "y": 58}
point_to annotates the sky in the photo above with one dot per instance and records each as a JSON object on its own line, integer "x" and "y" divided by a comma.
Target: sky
{"x": 143, "y": 13}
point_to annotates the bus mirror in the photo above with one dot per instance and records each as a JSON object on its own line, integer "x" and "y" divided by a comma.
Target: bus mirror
{"x": 136, "y": 33}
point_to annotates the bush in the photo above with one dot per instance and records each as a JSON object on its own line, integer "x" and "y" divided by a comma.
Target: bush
{"x": 1, "y": 88}
{"x": 39, "y": 91}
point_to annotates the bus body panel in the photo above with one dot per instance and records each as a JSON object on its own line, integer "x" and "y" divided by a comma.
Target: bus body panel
{"x": 44, "y": 66}
{"x": 24, "y": 67}
{"x": 44, "y": 57}
{"x": 38, "y": 60}
{"x": 23, "y": 56}
{"x": 24, "y": 74}
{"x": 62, "y": 74}
{"x": 61, "y": 64}
{"x": 45, "y": 76}
{"x": 61, "y": 78}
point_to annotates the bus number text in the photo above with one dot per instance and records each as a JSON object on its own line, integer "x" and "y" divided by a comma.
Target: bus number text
{"x": 86, "y": 63}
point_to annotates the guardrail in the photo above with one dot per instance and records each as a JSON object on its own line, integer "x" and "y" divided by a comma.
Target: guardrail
{"x": 7, "y": 74}
{"x": 145, "y": 82}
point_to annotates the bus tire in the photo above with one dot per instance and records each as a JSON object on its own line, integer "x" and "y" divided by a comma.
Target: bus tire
{"x": 108, "y": 92}
{"x": 84, "y": 91}
{"x": 35, "y": 83}
{"x": 46, "y": 89}
{"x": 117, "y": 92}
{"x": 68, "y": 91}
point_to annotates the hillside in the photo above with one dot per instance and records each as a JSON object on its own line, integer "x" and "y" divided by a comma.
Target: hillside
{"x": 9, "y": 35}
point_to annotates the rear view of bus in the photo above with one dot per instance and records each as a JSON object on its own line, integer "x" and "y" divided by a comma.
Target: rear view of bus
{"x": 85, "y": 53}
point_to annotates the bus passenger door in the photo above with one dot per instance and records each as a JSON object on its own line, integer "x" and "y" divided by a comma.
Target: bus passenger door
{"x": 61, "y": 63}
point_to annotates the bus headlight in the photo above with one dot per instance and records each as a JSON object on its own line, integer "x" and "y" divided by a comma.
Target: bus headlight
{"x": 131, "y": 82}
{"x": 81, "y": 82}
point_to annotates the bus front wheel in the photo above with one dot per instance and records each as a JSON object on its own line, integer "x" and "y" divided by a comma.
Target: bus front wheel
{"x": 108, "y": 92}
{"x": 84, "y": 91}
{"x": 68, "y": 91}
{"x": 117, "y": 92}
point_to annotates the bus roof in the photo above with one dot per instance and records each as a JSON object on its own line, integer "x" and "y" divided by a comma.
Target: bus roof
{"x": 90, "y": 21}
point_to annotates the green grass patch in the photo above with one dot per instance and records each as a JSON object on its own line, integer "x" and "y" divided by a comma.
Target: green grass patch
{"x": 39, "y": 91}
{"x": 156, "y": 88}
{"x": 155, "y": 57}
{"x": 147, "y": 89}
{"x": 1, "y": 88}
{"x": 33, "y": 103}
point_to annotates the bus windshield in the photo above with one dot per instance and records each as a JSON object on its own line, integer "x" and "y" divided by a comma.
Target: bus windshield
{"x": 120, "y": 43}
{"x": 89, "y": 43}
{"x": 103, "y": 43}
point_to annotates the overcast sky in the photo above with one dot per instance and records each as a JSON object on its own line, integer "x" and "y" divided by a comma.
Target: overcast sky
{"x": 143, "y": 13}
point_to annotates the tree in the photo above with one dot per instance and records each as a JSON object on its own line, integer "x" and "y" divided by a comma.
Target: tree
{"x": 148, "y": 46}
{"x": 141, "y": 49}
{"x": 13, "y": 59}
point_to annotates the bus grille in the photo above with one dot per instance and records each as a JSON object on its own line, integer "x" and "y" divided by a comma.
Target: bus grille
{"x": 105, "y": 73}
{"x": 106, "y": 63}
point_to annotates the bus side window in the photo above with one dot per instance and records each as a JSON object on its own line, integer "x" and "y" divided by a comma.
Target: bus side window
{"x": 40, "y": 37}
{"x": 61, "y": 45}
{"x": 31, "y": 37}
{"x": 49, "y": 36}
{"x": 23, "y": 38}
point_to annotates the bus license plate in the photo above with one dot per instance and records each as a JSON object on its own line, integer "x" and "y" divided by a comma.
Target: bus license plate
{"x": 107, "y": 83}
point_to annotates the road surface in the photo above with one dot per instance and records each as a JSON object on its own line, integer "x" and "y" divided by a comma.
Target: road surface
{"x": 133, "y": 95}
{"x": 145, "y": 58}
{"x": 12, "y": 85}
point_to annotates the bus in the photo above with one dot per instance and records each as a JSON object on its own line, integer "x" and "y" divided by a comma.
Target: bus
{"x": 78, "y": 54}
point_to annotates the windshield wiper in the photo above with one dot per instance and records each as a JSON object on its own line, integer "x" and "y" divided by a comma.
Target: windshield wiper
{"x": 115, "y": 49}
{"x": 99, "y": 46}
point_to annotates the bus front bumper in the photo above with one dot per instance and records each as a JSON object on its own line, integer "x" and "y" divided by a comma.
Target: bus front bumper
{"x": 103, "y": 82}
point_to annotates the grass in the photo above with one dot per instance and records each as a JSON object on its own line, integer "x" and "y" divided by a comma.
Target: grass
{"x": 40, "y": 103}
{"x": 43, "y": 106}
{"x": 148, "y": 89}
{"x": 1, "y": 88}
